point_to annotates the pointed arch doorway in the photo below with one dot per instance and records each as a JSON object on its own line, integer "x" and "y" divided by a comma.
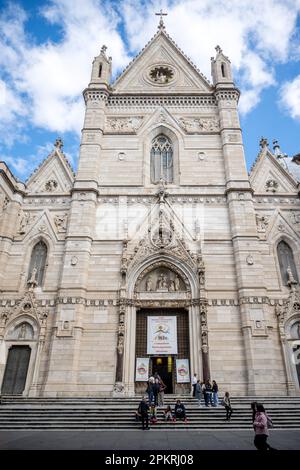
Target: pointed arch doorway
{"x": 162, "y": 284}
{"x": 161, "y": 362}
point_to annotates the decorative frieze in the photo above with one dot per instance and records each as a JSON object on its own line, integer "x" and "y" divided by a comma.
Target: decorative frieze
{"x": 262, "y": 223}
{"x": 155, "y": 101}
{"x": 173, "y": 199}
{"x": 42, "y": 201}
{"x": 60, "y": 221}
{"x": 196, "y": 125}
{"x": 26, "y": 219}
{"x": 123, "y": 125}
{"x": 276, "y": 200}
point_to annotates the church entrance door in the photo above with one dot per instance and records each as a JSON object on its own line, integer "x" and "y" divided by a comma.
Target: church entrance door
{"x": 16, "y": 370}
{"x": 164, "y": 367}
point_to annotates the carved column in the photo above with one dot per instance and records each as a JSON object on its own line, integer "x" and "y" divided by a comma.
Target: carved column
{"x": 204, "y": 340}
{"x": 34, "y": 388}
{"x": 120, "y": 348}
{"x": 203, "y": 319}
{"x": 119, "y": 385}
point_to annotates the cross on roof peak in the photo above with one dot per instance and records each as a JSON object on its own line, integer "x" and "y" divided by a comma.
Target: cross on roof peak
{"x": 161, "y": 22}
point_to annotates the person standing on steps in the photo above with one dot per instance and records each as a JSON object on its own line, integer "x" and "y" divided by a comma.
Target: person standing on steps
{"x": 227, "y": 403}
{"x": 194, "y": 383}
{"x": 149, "y": 390}
{"x": 208, "y": 393}
{"x": 261, "y": 424}
{"x": 215, "y": 390}
{"x": 143, "y": 410}
{"x": 198, "y": 394}
{"x": 161, "y": 393}
{"x": 156, "y": 389}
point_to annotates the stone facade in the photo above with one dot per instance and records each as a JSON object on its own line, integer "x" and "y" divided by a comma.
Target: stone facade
{"x": 213, "y": 229}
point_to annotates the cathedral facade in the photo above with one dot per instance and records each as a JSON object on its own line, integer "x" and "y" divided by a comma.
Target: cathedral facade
{"x": 161, "y": 253}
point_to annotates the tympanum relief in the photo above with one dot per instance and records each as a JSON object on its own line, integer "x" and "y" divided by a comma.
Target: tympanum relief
{"x": 161, "y": 280}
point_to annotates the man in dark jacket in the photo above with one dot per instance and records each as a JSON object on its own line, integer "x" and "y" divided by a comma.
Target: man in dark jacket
{"x": 143, "y": 410}
{"x": 180, "y": 411}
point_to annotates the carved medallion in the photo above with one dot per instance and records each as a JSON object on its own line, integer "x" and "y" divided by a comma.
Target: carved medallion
{"x": 161, "y": 74}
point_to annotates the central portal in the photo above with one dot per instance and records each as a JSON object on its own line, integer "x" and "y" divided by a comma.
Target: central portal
{"x": 163, "y": 362}
{"x": 164, "y": 367}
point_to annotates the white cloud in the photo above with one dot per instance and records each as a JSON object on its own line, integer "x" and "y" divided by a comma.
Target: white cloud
{"x": 42, "y": 83}
{"x": 290, "y": 97}
{"x": 255, "y": 35}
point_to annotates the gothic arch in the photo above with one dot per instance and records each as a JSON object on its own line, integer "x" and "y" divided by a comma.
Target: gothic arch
{"x": 163, "y": 260}
{"x": 294, "y": 246}
{"x": 177, "y": 143}
{"x": 28, "y": 253}
{"x": 16, "y": 321}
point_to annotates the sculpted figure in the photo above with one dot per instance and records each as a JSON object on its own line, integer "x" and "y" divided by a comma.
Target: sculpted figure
{"x": 22, "y": 333}
{"x": 177, "y": 283}
{"x": 149, "y": 284}
{"x": 33, "y": 279}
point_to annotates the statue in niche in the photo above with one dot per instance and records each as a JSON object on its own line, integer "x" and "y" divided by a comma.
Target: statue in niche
{"x": 177, "y": 283}
{"x": 33, "y": 279}
{"x": 149, "y": 286}
{"x": 291, "y": 279}
{"x": 172, "y": 286}
{"x": 120, "y": 344}
{"x": 22, "y": 332}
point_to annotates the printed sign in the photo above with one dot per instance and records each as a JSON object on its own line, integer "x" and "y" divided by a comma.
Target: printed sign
{"x": 142, "y": 369}
{"x": 182, "y": 371}
{"x": 162, "y": 335}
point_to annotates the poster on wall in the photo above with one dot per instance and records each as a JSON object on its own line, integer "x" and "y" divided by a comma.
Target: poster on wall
{"x": 142, "y": 369}
{"x": 162, "y": 335}
{"x": 182, "y": 371}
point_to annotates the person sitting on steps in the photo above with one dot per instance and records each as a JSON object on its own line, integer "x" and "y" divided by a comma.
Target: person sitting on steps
{"x": 153, "y": 413}
{"x": 168, "y": 415}
{"x": 180, "y": 411}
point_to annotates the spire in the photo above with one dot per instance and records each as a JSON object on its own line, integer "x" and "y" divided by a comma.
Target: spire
{"x": 101, "y": 70}
{"x": 277, "y": 150}
{"x": 161, "y": 25}
{"x": 263, "y": 142}
{"x": 58, "y": 144}
{"x": 221, "y": 69}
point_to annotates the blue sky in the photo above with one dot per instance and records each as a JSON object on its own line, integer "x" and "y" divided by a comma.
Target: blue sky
{"x": 47, "y": 47}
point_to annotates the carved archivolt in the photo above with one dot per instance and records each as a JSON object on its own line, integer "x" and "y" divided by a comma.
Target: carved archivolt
{"x": 27, "y": 310}
{"x": 291, "y": 308}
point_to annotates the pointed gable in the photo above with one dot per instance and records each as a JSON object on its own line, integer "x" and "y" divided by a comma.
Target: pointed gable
{"x": 161, "y": 66}
{"x": 54, "y": 175}
{"x": 268, "y": 176}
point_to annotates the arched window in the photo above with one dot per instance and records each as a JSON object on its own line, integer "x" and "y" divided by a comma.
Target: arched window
{"x": 100, "y": 70}
{"x": 37, "y": 263}
{"x": 161, "y": 160}
{"x": 286, "y": 262}
{"x": 223, "y": 70}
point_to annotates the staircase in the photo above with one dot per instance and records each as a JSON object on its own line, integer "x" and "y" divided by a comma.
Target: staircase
{"x": 18, "y": 413}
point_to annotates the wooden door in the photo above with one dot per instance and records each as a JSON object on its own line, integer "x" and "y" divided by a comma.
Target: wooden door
{"x": 16, "y": 370}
